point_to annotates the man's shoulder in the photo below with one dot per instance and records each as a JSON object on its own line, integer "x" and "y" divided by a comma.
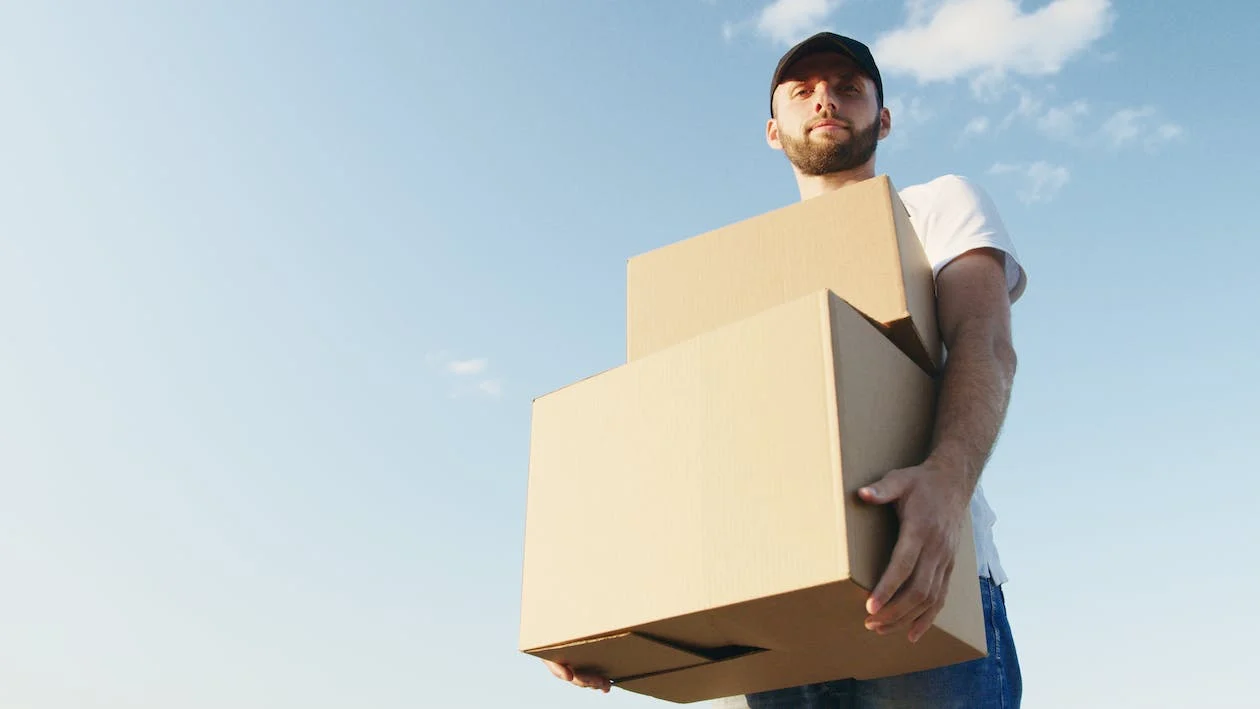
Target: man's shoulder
{"x": 953, "y": 215}
{"x": 941, "y": 192}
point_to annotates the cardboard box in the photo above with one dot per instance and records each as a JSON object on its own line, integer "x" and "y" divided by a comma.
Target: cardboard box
{"x": 856, "y": 241}
{"x": 692, "y": 525}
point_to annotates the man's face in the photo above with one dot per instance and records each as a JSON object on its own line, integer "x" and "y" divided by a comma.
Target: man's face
{"x": 827, "y": 115}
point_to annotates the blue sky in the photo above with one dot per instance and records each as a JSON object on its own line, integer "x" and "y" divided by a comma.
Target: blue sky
{"x": 279, "y": 281}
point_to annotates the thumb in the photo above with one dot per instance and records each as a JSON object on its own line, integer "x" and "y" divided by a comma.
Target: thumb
{"x": 887, "y": 489}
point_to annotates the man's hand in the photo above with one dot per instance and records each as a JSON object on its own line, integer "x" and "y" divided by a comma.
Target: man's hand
{"x": 932, "y": 506}
{"x": 567, "y": 674}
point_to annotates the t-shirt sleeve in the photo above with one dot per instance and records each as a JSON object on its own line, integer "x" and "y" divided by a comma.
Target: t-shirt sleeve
{"x": 959, "y": 217}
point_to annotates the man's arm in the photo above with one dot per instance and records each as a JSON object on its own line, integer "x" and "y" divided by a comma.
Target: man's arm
{"x": 933, "y": 498}
{"x": 975, "y": 315}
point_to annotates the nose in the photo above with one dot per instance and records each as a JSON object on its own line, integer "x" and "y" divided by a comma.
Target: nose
{"x": 825, "y": 98}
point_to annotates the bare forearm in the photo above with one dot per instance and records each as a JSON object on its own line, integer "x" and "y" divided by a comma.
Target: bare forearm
{"x": 932, "y": 498}
{"x": 974, "y": 395}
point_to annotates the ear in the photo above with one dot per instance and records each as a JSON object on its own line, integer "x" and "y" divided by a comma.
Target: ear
{"x": 885, "y": 122}
{"x": 772, "y": 134}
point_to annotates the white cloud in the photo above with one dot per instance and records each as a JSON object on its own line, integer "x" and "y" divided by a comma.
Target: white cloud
{"x": 1041, "y": 180}
{"x": 907, "y": 116}
{"x": 1131, "y": 126}
{"x": 459, "y": 371}
{"x": 914, "y": 112}
{"x": 1123, "y": 126}
{"x": 1029, "y": 107}
{"x": 988, "y": 39}
{"x": 988, "y": 86}
{"x": 976, "y": 126}
{"x": 920, "y": 11}
{"x": 467, "y": 366}
{"x": 789, "y": 21}
{"x": 1060, "y": 122}
{"x": 1168, "y": 131}
{"x": 1134, "y": 127}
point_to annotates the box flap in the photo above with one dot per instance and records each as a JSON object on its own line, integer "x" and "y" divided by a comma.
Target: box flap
{"x": 621, "y": 655}
{"x": 919, "y": 336}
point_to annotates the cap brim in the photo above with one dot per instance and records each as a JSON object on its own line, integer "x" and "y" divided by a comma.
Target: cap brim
{"x": 814, "y": 45}
{"x": 826, "y": 42}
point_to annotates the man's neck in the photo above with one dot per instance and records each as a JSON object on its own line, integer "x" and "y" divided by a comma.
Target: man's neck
{"x": 816, "y": 185}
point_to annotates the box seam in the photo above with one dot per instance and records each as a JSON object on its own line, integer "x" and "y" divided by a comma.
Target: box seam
{"x": 834, "y": 446}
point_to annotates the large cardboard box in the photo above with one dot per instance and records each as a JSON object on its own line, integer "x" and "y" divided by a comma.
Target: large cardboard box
{"x": 856, "y": 241}
{"x": 692, "y": 525}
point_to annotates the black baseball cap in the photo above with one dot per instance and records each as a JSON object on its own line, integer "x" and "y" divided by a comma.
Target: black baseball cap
{"x": 829, "y": 42}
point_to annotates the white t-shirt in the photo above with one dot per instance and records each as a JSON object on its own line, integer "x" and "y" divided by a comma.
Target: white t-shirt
{"x": 953, "y": 216}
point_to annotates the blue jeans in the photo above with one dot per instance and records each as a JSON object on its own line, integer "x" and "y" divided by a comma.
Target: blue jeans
{"x": 992, "y": 682}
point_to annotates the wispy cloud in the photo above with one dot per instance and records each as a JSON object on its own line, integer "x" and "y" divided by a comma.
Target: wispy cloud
{"x": 920, "y": 11}
{"x": 944, "y": 40}
{"x": 1029, "y": 107}
{"x": 789, "y": 21}
{"x": 1060, "y": 122}
{"x": 465, "y": 375}
{"x": 976, "y": 126}
{"x": 1138, "y": 126}
{"x": 1071, "y": 122}
{"x": 1040, "y": 180}
{"x": 467, "y": 366}
{"x": 907, "y": 116}
{"x": 784, "y": 21}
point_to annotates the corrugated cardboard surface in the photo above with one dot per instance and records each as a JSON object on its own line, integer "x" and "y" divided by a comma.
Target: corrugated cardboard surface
{"x": 698, "y": 477}
{"x": 702, "y": 497}
{"x": 856, "y": 241}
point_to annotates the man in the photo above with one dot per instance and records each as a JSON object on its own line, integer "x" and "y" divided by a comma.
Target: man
{"x": 827, "y": 115}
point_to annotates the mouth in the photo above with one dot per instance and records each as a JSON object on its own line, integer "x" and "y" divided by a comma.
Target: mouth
{"x": 826, "y": 124}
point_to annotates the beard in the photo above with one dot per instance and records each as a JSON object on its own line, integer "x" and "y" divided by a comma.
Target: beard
{"x": 823, "y": 156}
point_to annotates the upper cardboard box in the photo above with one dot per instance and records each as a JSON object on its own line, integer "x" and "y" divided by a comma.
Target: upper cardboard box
{"x": 856, "y": 241}
{"x": 692, "y": 527}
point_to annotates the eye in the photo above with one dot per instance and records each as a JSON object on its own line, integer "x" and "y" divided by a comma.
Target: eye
{"x": 802, "y": 91}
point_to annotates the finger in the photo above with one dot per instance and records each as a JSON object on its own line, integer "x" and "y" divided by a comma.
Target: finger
{"x": 559, "y": 670}
{"x": 923, "y": 623}
{"x": 910, "y": 602}
{"x": 927, "y": 617}
{"x": 904, "y": 558}
{"x": 926, "y": 586}
{"x": 901, "y": 617}
{"x": 932, "y": 596}
{"x": 592, "y": 682}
